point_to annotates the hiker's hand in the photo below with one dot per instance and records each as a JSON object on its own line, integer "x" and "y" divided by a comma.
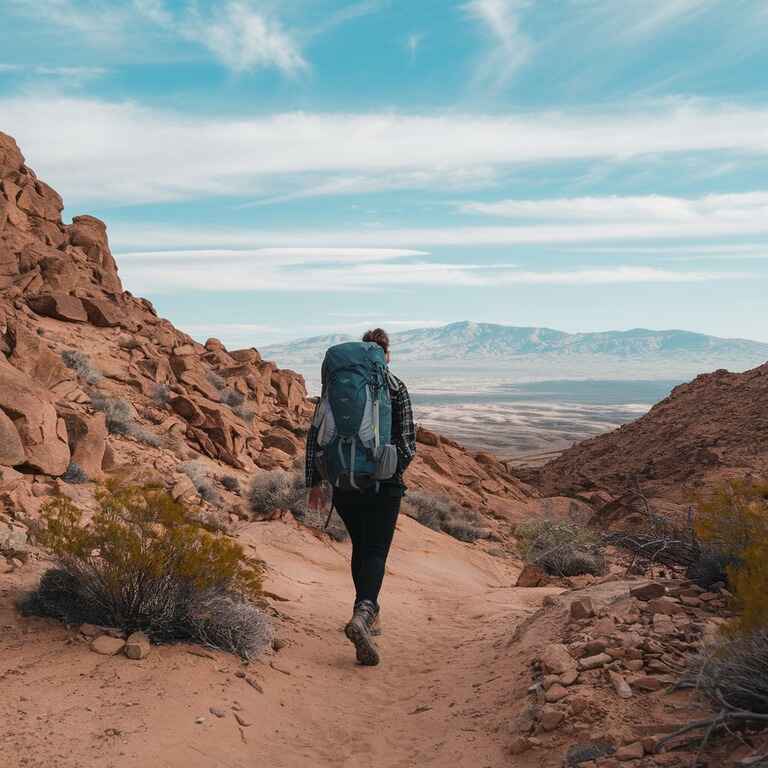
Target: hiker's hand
{"x": 318, "y": 498}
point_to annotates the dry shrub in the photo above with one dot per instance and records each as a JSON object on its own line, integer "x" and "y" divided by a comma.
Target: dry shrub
{"x": 734, "y": 673}
{"x": 200, "y": 476}
{"x": 121, "y": 419}
{"x": 75, "y": 474}
{"x": 441, "y": 514}
{"x": 81, "y": 365}
{"x": 276, "y": 490}
{"x": 560, "y": 547}
{"x": 733, "y": 520}
{"x": 231, "y": 483}
{"x": 143, "y": 563}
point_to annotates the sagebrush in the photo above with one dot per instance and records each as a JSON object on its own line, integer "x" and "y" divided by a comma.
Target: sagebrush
{"x": 560, "y": 547}
{"x": 442, "y": 514}
{"x": 143, "y": 563}
{"x": 122, "y": 420}
{"x": 200, "y": 476}
{"x": 82, "y": 366}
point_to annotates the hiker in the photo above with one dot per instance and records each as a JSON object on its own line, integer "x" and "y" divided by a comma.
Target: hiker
{"x": 360, "y": 443}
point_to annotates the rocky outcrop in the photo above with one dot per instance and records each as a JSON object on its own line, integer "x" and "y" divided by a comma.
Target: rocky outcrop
{"x": 94, "y": 382}
{"x": 713, "y": 427}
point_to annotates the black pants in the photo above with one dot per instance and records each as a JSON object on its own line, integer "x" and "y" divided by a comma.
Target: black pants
{"x": 370, "y": 519}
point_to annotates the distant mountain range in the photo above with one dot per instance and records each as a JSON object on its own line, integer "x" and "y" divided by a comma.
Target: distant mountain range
{"x": 488, "y": 344}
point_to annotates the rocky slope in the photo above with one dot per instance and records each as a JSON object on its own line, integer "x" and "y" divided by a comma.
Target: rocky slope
{"x": 716, "y": 426}
{"x": 94, "y": 384}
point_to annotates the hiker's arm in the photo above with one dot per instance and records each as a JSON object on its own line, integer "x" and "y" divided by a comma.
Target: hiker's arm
{"x": 311, "y": 475}
{"x": 406, "y": 440}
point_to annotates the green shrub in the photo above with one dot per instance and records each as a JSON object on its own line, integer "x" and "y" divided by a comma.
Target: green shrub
{"x": 143, "y": 563}
{"x": 560, "y": 547}
{"x": 733, "y": 519}
{"x": 441, "y": 514}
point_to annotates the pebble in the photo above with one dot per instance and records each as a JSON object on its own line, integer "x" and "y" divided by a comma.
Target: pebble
{"x": 107, "y": 646}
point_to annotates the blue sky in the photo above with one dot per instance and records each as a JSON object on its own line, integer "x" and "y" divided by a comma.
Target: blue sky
{"x": 272, "y": 169}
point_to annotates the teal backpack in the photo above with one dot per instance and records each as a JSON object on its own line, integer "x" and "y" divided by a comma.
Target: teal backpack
{"x": 354, "y": 418}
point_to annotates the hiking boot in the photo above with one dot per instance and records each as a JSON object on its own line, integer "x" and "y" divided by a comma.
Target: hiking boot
{"x": 358, "y": 630}
{"x": 375, "y": 628}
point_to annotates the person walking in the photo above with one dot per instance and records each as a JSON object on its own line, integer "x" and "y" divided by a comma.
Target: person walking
{"x": 360, "y": 443}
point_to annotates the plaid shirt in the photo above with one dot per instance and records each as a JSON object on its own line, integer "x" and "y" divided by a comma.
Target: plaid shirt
{"x": 403, "y": 435}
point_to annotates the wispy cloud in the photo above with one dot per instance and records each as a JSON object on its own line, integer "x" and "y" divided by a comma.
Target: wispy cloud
{"x": 237, "y": 33}
{"x": 644, "y": 18}
{"x": 413, "y": 43}
{"x": 723, "y": 208}
{"x": 100, "y": 158}
{"x": 273, "y": 256}
{"x": 507, "y": 47}
{"x": 170, "y": 275}
{"x": 244, "y": 39}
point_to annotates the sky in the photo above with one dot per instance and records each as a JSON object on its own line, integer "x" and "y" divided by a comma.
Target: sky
{"x": 276, "y": 169}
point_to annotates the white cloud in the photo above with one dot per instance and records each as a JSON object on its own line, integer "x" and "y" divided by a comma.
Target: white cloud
{"x": 644, "y": 18}
{"x": 186, "y": 276}
{"x": 508, "y": 48}
{"x": 240, "y": 36}
{"x": 439, "y": 178}
{"x": 657, "y": 208}
{"x": 413, "y": 43}
{"x": 9, "y": 67}
{"x": 272, "y": 256}
{"x": 128, "y": 153}
{"x": 244, "y": 39}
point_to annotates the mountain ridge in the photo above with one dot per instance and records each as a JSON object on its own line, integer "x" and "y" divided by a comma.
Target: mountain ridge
{"x": 496, "y": 343}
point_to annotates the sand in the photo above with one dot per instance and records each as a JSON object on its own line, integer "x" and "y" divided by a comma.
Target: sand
{"x": 440, "y": 697}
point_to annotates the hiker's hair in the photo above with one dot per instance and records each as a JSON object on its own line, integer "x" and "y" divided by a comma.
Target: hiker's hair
{"x": 378, "y": 336}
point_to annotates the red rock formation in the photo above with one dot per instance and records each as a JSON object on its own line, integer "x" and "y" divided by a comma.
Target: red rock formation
{"x": 715, "y": 426}
{"x": 90, "y": 374}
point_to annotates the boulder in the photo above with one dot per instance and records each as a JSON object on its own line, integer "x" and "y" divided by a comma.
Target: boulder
{"x": 532, "y": 576}
{"x": 556, "y": 660}
{"x": 38, "y": 199}
{"x": 11, "y": 158}
{"x": 103, "y": 313}
{"x": 11, "y": 448}
{"x": 107, "y": 646}
{"x": 60, "y": 306}
{"x": 582, "y": 608}
{"x": 87, "y": 441}
{"x": 42, "y": 433}
{"x": 649, "y": 591}
{"x": 281, "y": 439}
{"x": 137, "y": 646}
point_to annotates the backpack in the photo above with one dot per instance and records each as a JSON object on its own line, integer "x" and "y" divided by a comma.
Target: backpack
{"x": 354, "y": 418}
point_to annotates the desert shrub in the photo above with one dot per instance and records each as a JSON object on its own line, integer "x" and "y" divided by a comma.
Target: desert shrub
{"x": 733, "y": 519}
{"x": 121, "y": 419}
{"x": 142, "y": 563}
{"x": 560, "y": 547}
{"x": 162, "y": 395}
{"x": 74, "y": 474}
{"x": 232, "y": 397}
{"x": 244, "y": 412}
{"x": 81, "y": 365}
{"x": 232, "y": 484}
{"x": 277, "y": 489}
{"x": 218, "y": 381}
{"x": 441, "y": 514}
{"x": 711, "y": 567}
{"x": 200, "y": 476}
{"x": 734, "y": 673}
{"x": 579, "y": 754}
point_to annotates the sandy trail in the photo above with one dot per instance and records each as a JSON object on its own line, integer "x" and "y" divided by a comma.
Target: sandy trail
{"x": 440, "y": 698}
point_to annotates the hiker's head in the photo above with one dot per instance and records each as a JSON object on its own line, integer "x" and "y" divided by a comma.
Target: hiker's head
{"x": 381, "y": 337}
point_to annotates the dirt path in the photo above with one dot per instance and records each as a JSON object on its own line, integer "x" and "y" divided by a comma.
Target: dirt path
{"x": 440, "y": 697}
